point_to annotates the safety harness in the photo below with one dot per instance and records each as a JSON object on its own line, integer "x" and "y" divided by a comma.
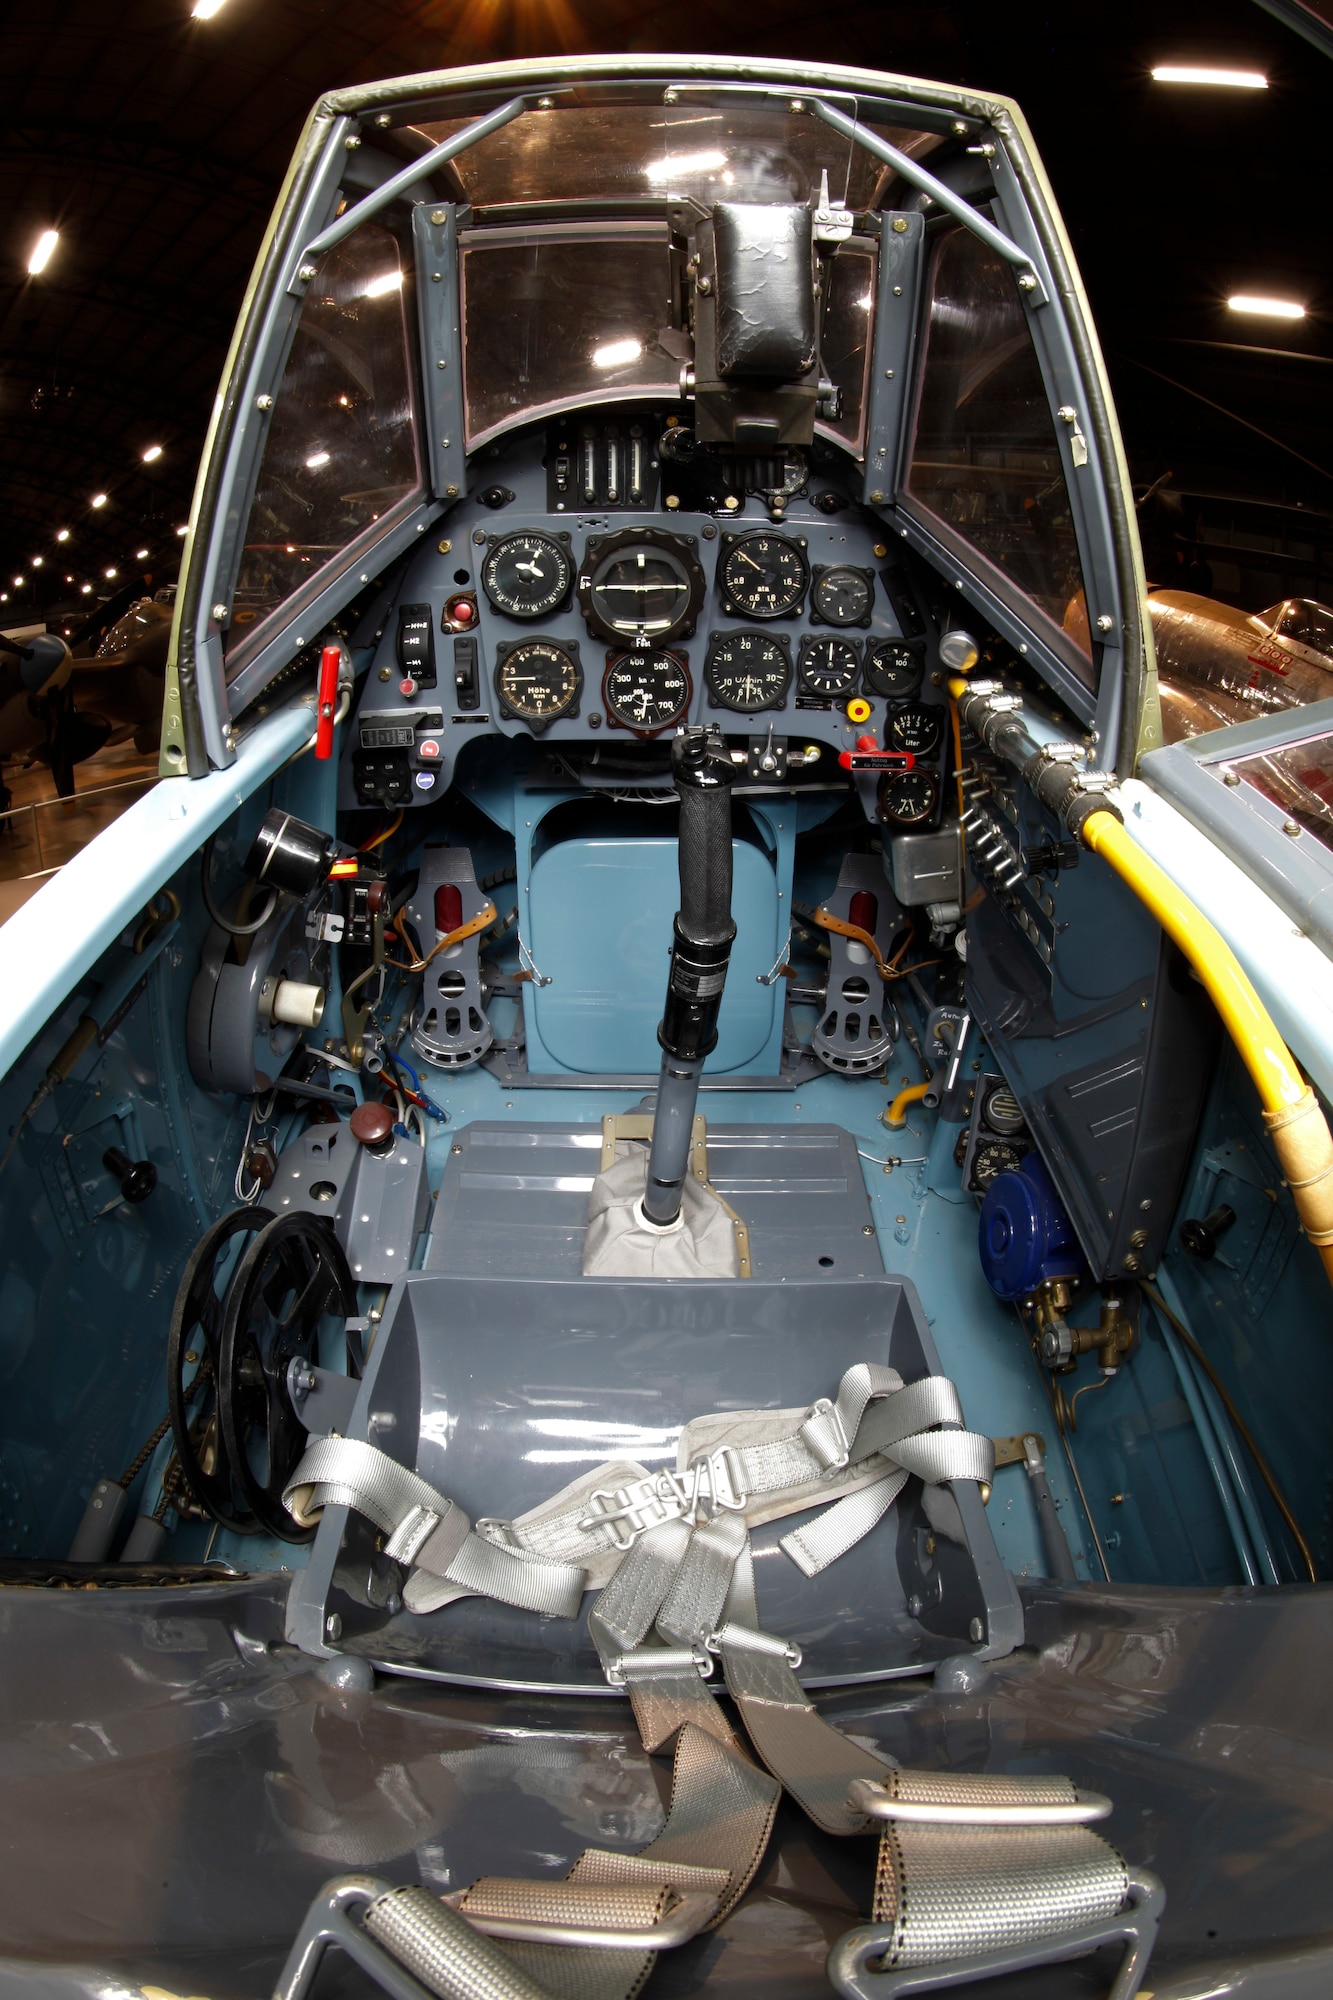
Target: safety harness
{"x": 975, "y": 1872}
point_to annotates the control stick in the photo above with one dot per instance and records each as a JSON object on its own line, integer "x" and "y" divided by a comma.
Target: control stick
{"x": 700, "y": 951}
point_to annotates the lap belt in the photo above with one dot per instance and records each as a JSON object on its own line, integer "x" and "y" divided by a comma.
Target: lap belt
{"x": 971, "y": 1869}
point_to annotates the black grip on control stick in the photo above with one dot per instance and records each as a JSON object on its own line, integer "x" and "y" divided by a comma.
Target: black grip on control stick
{"x": 703, "y": 774}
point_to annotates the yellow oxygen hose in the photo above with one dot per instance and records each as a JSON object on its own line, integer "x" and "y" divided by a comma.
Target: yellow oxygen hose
{"x": 1291, "y": 1111}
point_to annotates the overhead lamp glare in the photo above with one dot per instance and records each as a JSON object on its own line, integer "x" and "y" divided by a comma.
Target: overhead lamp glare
{"x": 141, "y": 555}
{"x": 679, "y": 164}
{"x": 86, "y": 589}
{"x": 204, "y": 10}
{"x": 616, "y": 353}
{"x": 98, "y": 500}
{"x": 18, "y": 583}
{"x": 37, "y": 562}
{"x": 316, "y": 460}
{"x": 111, "y": 575}
{"x": 387, "y": 281}
{"x": 1247, "y": 302}
{"x": 182, "y": 531}
{"x": 62, "y": 534}
{"x": 154, "y": 451}
{"x": 42, "y": 251}
{"x": 1229, "y": 79}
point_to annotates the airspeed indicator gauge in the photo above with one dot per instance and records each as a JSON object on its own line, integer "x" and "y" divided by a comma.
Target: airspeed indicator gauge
{"x": 526, "y": 575}
{"x": 748, "y": 671}
{"x": 646, "y": 692}
{"x": 538, "y": 681}
{"x": 763, "y": 576}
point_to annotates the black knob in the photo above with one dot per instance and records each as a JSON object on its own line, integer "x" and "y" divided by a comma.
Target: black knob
{"x": 1199, "y": 1236}
{"x": 137, "y": 1178}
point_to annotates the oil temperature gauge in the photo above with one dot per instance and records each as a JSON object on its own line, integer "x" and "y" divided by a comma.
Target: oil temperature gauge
{"x": 646, "y": 692}
{"x": 908, "y": 798}
{"x": 538, "y": 680}
{"x": 894, "y": 670}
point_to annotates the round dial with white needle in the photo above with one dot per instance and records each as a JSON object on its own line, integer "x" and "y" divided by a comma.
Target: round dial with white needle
{"x": 748, "y": 671}
{"x": 526, "y": 575}
{"x": 829, "y": 666}
{"x": 646, "y": 692}
{"x": 640, "y": 588}
{"x": 763, "y": 576}
{"x": 538, "y": 681}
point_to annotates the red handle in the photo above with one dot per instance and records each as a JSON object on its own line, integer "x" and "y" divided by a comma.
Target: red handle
{"x": 328, "y": 700}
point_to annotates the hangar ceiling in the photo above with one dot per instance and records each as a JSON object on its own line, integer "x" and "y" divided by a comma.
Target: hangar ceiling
{"x": 155, "y": 143}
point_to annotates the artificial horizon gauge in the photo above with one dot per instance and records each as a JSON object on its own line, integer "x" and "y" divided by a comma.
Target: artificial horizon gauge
{"x": 646, "y": 692}
{"x": 763, "y": 576}
{"x": 828, "y": 666}
{"x": 894, "y": 670}
{"x": 640, "y": 588}
{"x": 842, "y": 595}
{"x": 916, "y": 729}
{"x": 907, "y": 798}
{"x": 748, "y": 671}
{"x": 526, "y": 575}
{"x": 538, "y": 680}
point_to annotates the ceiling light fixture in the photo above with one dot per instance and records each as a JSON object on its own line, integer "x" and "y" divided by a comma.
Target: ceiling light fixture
{"x": 4, "y": 597}
{"x": 41, "y": 251}
{"x": 204, "y": 10}
{"x": 182, "y": 531}
{"x": 111, "y": 575}
{"x": 62, "y": 534}
{"x": 1246, "y": 302}
{"x": 616, "y": 353}
{"x": 141, "y": 555}
{"x": 87, "y": 589}
{"x": 18, "y": 583}
{"x": 37, "y": 562}
{"x": 153, "y": 451}
{"x": 69, "y": 579}
{"x": 98, "y": 500}
{"x": 1230, "y": 79}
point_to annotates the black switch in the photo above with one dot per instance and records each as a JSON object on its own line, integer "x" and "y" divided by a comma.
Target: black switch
{"x": 466, "y": 692}
{"x": 416, "y": 644}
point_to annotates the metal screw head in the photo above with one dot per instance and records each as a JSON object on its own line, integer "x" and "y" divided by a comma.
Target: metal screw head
{"x": 914, "y": 1606}
{"x": 976, "y": 1631}
{"x": 333, "y": 1627}
{"x": 1105, "y": 622}
{"x": 384, "y": 121}
{"x": 445, "y": 443}
{"x": 867, "y": 1228}
{"x": 899, "y": 225}
{"x": 1067, "y": 413}
{"x": 445, "y": 546}
{"x": 545, "y": 103}
{"x": 455, "y": 1149}
{"x": 219, "y": 612}
{"x": 439, "y": 215}
{"x": 1138, "y": 1240}
{"x": 479, "y": 537}
{"x": 352, "y": 141}
{"x": 1290, "y": 827}
{"x": 306, "y": 272}
{"x": 877, "y": 496}
{"x": 1231, "y": 777}
{"x": 959, "y": 128}
{"x": 1027, "y": 282}
{"x": 263, "y": 402}
{"x": 451, "y": 492}
{"x": 797, "y": 104}
{"x": 670, "y": 97}
{"x": 386, "y": 673}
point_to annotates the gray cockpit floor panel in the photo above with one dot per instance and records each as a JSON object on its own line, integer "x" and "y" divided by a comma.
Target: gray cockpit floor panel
{"x": 513, "y": 1199}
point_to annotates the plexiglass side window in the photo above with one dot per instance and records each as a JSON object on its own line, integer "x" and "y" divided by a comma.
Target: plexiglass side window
{"x": 341, "y": 450}
{"x": 985, "y": 456}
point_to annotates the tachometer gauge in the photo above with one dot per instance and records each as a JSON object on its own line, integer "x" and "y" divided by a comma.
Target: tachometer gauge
{"x": 641, "y": 587}
{"x": 526, "y": 576}
{"x": 907, "y": 798}
{"x": 828, "y": 666}
{"x": 763, "y": 576}
{"x": 538, "y": 680}
{"x": 747, "y": 671}
{"x": 992, "y": 1157}
{"x": 893, "y": 669}
{"x": 646, "y": 692}
{"x": 842, "y": 595}
{"x": 915, "y": 729}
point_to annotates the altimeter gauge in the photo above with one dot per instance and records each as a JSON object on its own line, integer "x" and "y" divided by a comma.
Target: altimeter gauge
{"x": 748, "y": 671}
{"x": 527, "y": 575}
{"x": 763, "y": 576}
{"x": 646, "y": 692}
{"x": 538, "y": 681}
{"x": 828, "y": 666}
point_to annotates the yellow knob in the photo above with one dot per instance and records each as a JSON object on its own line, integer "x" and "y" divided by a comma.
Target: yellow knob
{"x": 858, "y": 709}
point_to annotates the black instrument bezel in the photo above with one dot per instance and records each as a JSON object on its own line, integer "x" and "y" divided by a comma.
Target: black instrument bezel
{"x": 560, "y": 542}
{"x": 615, "y": 657}
{"x": 601, "y": 548}
{"x": 733, "y": 604}
{"x": 538, "y": 724}
{"x": 719, "y": 639}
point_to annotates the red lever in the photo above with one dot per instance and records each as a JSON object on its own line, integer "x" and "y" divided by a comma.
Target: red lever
{"x": 328, "y": 700}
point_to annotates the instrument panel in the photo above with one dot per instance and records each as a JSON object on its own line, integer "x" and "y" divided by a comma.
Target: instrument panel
{"x": 527, "y": 622}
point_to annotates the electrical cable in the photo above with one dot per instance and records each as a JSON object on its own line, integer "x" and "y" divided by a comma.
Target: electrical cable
{"x": 1242, "y": 1428}
{"x": 385, "y": 833}
{"x": 225, "y": 923}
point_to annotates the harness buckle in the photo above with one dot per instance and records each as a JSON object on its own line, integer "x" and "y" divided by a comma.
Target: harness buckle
{"x": 713, "y": 1484}
{"x": 824, "y": 1438}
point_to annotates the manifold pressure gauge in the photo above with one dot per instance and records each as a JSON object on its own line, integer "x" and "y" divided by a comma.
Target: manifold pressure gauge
{"x": 527, "y": 575}
{"x": 538, "y": 680}
{"x": 894, "y": 670}
{"x": 748, "y": 671}
{"x": 763, "y": 576}
{"x": 907, "y": 798}
{"x": 646, "y": 692}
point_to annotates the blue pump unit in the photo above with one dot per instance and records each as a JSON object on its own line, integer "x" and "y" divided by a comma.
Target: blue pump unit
{"x": 1025, "y": 1236}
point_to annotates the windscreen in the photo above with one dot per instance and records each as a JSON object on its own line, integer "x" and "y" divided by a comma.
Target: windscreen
{"x": 985, "y": 456}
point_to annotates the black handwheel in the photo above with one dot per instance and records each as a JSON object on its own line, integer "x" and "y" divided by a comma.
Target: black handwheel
{"x": 194, "y": 1358}
{"x": 290, "y": 1278}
